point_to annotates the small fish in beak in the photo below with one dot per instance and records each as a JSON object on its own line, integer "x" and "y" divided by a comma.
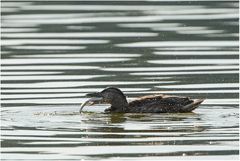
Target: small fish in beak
{"x": 97, "y": 98}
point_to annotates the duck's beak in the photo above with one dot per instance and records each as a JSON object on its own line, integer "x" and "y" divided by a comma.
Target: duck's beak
{"x": 96, "y": 98}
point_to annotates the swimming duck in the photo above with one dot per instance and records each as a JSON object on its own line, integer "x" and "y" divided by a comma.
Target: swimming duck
{"x": 147, "y": 104}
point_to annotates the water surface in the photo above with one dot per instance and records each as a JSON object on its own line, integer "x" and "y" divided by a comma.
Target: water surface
{"x": 54, "y": 52}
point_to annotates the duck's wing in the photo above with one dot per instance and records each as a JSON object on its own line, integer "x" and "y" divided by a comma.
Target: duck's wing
{"x": 163, "y": 104}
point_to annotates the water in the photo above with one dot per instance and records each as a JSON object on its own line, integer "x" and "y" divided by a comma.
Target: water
{"x": 54, "y": 52}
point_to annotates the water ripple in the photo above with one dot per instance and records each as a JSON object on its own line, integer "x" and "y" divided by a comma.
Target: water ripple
{"x": 54, "y": 52}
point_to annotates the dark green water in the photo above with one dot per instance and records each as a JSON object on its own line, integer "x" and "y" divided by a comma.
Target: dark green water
{"x": 54, "y": 52}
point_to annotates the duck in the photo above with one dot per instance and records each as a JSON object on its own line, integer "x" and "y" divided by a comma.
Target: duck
{"x": 159, "y": 103}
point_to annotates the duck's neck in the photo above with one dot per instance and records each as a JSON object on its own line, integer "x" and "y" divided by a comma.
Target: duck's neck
{"x": 120, "y": 105}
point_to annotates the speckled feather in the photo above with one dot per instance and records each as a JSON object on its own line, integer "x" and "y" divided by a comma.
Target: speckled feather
{"x": 159, "y": 104}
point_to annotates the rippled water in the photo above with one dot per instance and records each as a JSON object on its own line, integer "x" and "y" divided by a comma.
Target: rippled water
{"x": 54, "y": 52}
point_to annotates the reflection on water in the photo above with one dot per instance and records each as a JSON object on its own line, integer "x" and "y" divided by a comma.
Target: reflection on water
{"x": 54, "y": 52}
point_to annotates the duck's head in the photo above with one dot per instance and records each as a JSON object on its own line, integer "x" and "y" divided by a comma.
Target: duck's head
{"x": 110, "y": 95}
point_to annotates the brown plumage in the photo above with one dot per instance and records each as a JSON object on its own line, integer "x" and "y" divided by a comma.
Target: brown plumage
{"x": 146, "y": 104}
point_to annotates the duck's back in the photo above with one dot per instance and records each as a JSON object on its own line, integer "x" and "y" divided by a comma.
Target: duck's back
{"x": 163, "y": 104}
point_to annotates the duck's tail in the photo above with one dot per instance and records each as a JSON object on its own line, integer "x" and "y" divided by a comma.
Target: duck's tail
{"x": 190, "y": 107}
